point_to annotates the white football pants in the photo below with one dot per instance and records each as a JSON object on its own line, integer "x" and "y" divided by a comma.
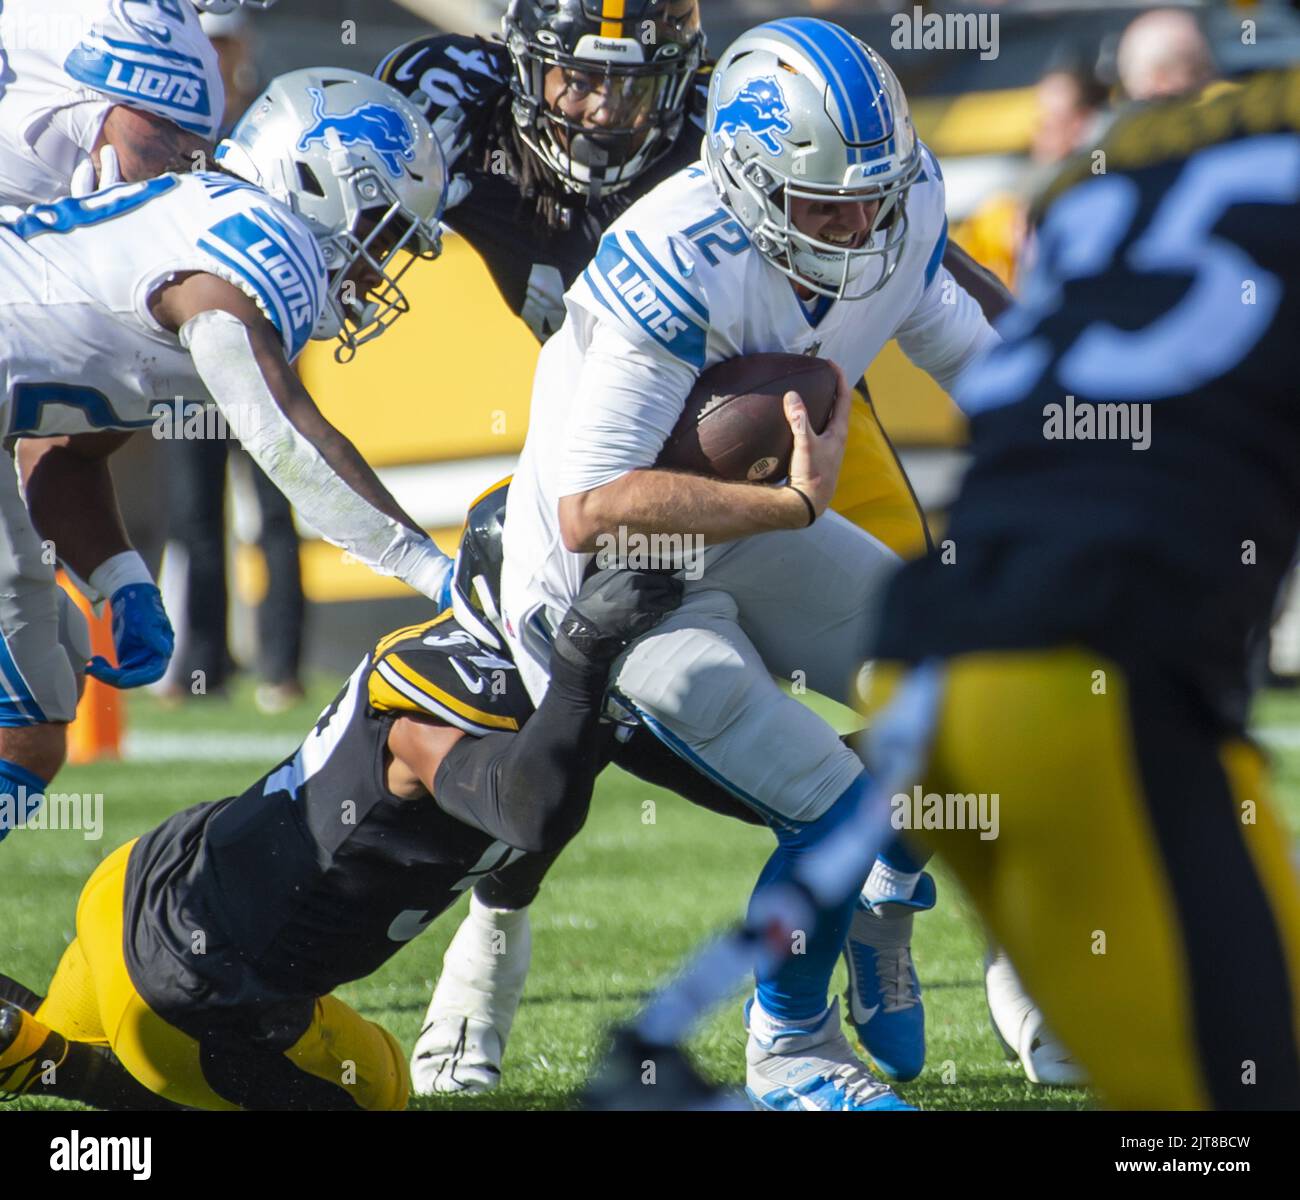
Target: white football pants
{"x": 793, "y": 605}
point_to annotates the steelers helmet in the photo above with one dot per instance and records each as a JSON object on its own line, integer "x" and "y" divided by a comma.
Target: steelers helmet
{"x": 643, "y": 56}
{"x": 476, "y": 579}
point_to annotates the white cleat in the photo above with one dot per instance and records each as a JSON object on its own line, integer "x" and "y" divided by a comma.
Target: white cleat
{"x": 1022, "y": 1030}
{"x": 810, "y": 1068}
{"x": 463, "y": 1041}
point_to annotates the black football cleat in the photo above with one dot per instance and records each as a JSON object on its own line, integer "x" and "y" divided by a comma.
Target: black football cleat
{"x": 635, "y": 1076}
{"x": 27, "y": 1051}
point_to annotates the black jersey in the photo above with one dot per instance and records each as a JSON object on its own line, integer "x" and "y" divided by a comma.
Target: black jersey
{"x": 317, "y": 873}
{"x": 531, "y": 265}
{"x": 1136, "y": 474}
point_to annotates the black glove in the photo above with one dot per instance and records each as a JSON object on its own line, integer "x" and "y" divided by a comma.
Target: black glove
{"x": 614, "y": 607}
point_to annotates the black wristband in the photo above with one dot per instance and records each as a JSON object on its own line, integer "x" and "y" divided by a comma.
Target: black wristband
{"x": 812, "y": 512}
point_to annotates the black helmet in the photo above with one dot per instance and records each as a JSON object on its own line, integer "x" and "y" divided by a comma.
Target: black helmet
{"x": 643, "y": 54}
{"x": 476, "y": 581}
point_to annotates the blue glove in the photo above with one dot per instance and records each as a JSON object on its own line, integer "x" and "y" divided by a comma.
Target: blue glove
{"x": 142, "y": 635}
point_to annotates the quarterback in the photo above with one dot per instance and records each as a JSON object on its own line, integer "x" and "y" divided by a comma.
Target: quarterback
{"x": 205, "y": 285}
{"x": 206, "y": 950}
{"x": 815, "y": 224}
{"x": 560, "y": 128}
{"x": 97, "y": 92}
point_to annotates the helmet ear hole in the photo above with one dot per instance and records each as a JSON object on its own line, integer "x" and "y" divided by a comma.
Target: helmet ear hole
{"x": 308, "y": 180}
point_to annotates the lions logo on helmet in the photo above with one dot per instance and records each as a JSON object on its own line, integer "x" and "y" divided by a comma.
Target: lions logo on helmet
{"x": 370, "y": 181}
{"x": 811, "y": 88}
{"x": 380, "y": 127}
{"x": 758, "y": 108}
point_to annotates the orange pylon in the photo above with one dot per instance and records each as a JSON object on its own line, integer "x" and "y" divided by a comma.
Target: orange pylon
{"x": 97, "y": 732}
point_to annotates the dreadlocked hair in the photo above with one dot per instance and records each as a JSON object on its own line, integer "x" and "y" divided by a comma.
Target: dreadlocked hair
{"x": 543, "y": 198}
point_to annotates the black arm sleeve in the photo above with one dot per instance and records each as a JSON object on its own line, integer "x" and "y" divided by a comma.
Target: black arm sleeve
{"x": 531, "y": 789}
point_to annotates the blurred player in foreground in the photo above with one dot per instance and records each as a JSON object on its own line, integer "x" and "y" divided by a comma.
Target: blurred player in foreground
{"x": 1133, "y": 505}
{"x": 207, "y": 949}
{"x": 562, "y": 128}
{"x": 199, "y": 286}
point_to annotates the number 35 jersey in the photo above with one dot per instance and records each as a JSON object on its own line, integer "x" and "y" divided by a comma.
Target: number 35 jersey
{"x": 1135, "y": 484}
{"x": 79, "y": 348}
{"x": 65, "y": 63}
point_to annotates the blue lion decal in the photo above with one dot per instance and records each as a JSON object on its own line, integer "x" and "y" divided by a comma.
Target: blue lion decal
{"x": 382, "y": 128}
{"x": 758, "y": 108}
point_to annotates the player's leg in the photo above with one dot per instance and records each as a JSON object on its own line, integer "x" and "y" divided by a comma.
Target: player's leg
{"x": 1021, "y": 1027}
{"x": 44, "y": 646}
{"x": 1096, "y": 880}
{"x": 463, "y": 1039}
{"x": 801, "y": 598}
{"x": 700, "y": 685}
{"x": 874, "y": 492}
{"x": 57, "y": 1045}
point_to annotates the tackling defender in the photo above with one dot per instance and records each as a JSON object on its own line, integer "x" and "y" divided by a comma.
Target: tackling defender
{"x": 206, "y": 951}
{"x": 814, "y": 225}
{"x": 205, "y": 285}
{"x": 560, "y": 130}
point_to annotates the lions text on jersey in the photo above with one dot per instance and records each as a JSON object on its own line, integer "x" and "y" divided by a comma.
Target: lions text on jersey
{"x": 65, "y": 63}
{"x": 675, "y": 287}
{"x": 79, "y": 347}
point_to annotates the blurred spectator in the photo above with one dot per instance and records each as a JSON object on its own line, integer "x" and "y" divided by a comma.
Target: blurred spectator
{"x": 1163, "y": 53}
{"x": 195, "y": 579}
{"x": 1070, "y": 106}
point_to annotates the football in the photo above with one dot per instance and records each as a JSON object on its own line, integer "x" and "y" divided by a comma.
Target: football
{"x": 733, "y": 426}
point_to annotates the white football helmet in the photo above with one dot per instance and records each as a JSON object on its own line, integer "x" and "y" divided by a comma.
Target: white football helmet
{"x": 801, "y": 109}
{"x": 356, "y": 160}
{"x": 221, "y": 7}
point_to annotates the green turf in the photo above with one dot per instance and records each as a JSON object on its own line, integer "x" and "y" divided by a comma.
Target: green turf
{"x": 635, "y": 892}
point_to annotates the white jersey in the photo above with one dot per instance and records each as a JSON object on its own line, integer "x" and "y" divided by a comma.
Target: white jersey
{"x": 65, "y": 63}
{"x": 79, "y": 348}
{"x": 675, "y": 287}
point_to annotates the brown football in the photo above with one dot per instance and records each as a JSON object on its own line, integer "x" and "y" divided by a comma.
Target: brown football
{"x": 734, "y": 427}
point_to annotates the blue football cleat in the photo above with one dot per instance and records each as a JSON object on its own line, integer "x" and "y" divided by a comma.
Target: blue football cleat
{"x": 813, "y": 1070}
{"x": 884, "y": 995}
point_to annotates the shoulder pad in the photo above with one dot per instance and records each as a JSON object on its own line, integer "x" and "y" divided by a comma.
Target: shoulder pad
{"x": 447, "y": 71}
{"x": 264, "y": 249}
{"x": 650, "y": 285}
{"x": 437, "y": 669}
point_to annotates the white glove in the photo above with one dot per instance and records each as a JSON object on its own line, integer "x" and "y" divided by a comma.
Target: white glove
{"x": 84, "y": 179}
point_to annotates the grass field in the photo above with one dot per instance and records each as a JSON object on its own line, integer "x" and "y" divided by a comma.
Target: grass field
{"x": 626, "y": 901}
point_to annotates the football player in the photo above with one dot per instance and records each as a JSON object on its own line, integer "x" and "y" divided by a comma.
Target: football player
{"x": 585, "y": 108}
{"x": 206, "y": 951}
{"x": 815, "y": 224}
{"x": 97, "y": 92}
{"x": 1088, "y": 652}
{"x": 201, "y": 285}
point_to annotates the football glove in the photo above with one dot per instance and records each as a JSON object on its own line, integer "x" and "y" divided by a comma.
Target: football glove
{"x": 614, "y": 607}
{"x": 142, "y": 636}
